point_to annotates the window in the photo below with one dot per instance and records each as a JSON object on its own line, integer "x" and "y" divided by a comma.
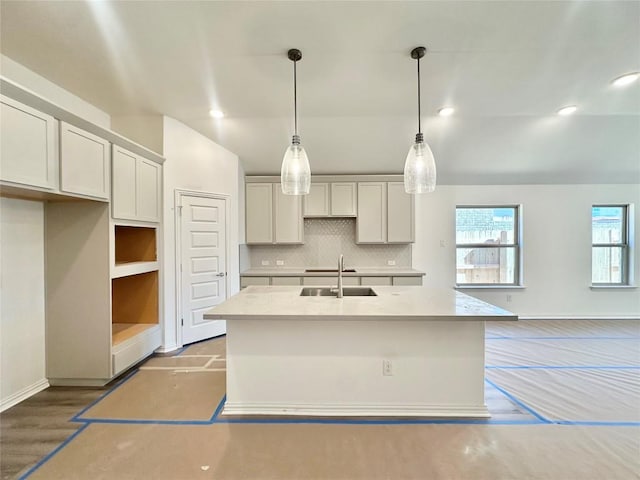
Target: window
{"x": 487, "y": 245}
{"x": 610, "y": 244}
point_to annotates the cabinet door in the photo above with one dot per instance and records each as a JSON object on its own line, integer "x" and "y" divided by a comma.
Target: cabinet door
{"x": 316, "y": 203}
{"x": 259, "y": 213}
{"x": 288, "y": 217}
{"x": 407, "y": 281}
{"x": 148, "y": 190}
{"x": 84, "y": 162}
{"x": 123, "y": 194}
{"x": 371, "y": 225}
{"x": 343, "y": 199}
{"x": 400, "y": 216}
{"x": 27, "y": 145}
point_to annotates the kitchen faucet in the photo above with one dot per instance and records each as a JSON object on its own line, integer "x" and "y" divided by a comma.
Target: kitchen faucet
{"x": 340, "y": 268}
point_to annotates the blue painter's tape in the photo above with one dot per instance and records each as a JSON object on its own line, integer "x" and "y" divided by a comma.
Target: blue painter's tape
{"x": 219, "y": 409}
{"x": 563, "y": 367}
{"x": 125, "y": 421}
{"x": 518, "y": 402}
{"x": 561, "y": 338}
{"x": 76, "y": 417}
{"x": 56, "y": 450}
{"x": 598, "y": 424}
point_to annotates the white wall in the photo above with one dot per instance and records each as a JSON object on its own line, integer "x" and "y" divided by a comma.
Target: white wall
{"x": 143, "y": 129}
{"x": 22, "y": 327}
{"x": 195, "y": 163}
{"x": 39, "y": 85}
{"x": 556, "y": 246}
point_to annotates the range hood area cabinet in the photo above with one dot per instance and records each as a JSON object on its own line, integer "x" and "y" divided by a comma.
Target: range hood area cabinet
{"x": 336, "y": 199}
{"x": 385, "y": 213}
{"x": 271, "y": 216}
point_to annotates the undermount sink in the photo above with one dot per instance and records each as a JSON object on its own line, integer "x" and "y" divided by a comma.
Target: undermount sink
{"x": 328, "y": 270}
{"x": 333, "y": 292}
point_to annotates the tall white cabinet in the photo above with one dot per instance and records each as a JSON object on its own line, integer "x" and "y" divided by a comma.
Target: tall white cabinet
{"x": 385, "y": 213}
{"x": 102, "y": 204}
{"x": 271, "y": 216}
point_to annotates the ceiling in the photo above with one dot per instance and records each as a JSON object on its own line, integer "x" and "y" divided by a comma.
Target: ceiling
{"x": 506, "y": 67}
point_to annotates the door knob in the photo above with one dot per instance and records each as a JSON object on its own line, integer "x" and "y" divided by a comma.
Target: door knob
{"x": 221, "y": 274}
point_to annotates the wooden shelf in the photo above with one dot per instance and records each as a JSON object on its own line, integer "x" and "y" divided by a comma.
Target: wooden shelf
{"x": 135, "y": 299}
{"x": 121, "y": 332}
{"x": 135, "y": 244}
{"x": 125, "y": 269}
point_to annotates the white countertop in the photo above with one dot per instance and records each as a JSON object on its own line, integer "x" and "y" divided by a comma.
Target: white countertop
{"x": 397, "y": 302}
{"x": 359, "y": 272}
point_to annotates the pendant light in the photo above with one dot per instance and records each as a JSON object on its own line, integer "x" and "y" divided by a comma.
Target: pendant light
{"x": 420, "y": 166}
{"x": 295, "y": 175}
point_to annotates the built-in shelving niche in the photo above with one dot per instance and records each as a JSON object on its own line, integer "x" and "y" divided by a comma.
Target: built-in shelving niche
{"x": 135, "y": 250}
{"x": 134, "y": 305}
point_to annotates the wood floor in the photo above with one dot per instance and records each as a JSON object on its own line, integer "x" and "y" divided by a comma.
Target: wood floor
{"x": 36, "y": 426}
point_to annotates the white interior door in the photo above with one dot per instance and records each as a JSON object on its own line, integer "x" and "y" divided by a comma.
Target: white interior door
{"x": 203, "y": 265}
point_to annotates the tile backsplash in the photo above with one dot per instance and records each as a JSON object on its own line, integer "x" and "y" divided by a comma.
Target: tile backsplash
{"x": 324, "y": 240}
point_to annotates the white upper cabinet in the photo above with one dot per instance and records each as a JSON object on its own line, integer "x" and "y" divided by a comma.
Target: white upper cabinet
{"x": 28, "y": 153}
{"x": 148, "y": 182}
{"x": 289, "y": 224}
{"x": 371, "y": 226}
{"x": 316, "y": 203}
{"x": 259, "y": 213}
{"x": 385, "y": 213}
{"x": 271, "y": 216}
{"x": 343, "y": 199}
{"x": 136, "y": 184}
{"x": 84, "y": 162}
{"x": 400, "y": 214}
{"x": 336, "y": 199}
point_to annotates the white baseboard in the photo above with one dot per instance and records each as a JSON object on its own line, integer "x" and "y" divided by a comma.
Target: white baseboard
{"x": 23, "y": 394}
{"x": 167, "y": 348}
{"x": 578, "y": 317}
{"x": 462, "y": 411}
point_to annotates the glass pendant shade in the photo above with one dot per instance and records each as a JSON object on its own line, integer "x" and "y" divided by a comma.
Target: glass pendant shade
{"x": 419, "y": 168}
{"x": 295, "y": 175}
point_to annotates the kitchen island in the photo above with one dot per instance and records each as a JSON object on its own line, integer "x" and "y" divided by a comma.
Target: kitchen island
{"x": 408, "y": 351}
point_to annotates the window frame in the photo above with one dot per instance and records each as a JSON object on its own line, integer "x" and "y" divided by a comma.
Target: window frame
{"x": 516, "y": 245}
{"x": 624, "y": 245}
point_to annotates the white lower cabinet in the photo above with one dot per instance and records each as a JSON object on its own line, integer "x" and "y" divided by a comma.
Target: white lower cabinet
{"x": 249, "y": 281}
{"x": 415, "y": 281}
{"x": 84, "y": 163}
{"x": 99, "y": 322}
{"x": 28, "y": 153}
{"x": 371, "y": 281}
{"x": 286, "y": 280}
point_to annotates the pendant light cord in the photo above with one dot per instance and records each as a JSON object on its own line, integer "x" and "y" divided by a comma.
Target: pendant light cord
{"x": 295, "y": 101}
{"x": 419, "y": 129}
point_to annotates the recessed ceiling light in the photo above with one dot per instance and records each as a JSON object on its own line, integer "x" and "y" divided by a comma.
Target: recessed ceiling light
{"x": 216, "y": 113}
{"x": 569, "y": 110}
{"x": 446, "y": 111}
{"x": 626, "y": 79}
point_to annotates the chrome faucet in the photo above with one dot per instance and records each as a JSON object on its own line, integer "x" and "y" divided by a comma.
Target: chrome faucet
{"x": 340, "y": 268}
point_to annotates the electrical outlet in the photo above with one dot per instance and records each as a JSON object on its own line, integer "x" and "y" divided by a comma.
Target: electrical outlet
{"x": 387, "y": 368}
{"x": 508, "y": 298}
{"x": 265, "y": 263}
{"x": 279, "y": 262}
{"x": 391, "y": 262}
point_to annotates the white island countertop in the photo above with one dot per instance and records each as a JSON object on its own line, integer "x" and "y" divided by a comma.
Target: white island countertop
{"x": 391, "y": 302}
